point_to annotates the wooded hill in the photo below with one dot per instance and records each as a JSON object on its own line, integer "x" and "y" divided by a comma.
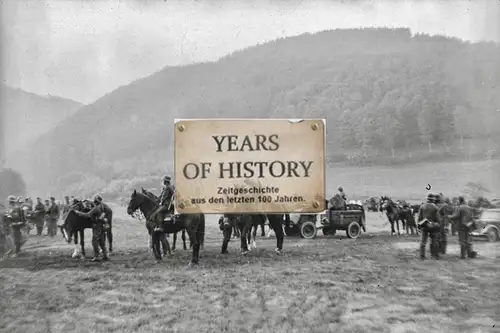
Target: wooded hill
{"x": 28, "y": 115}
{"x": 387, "y": 96}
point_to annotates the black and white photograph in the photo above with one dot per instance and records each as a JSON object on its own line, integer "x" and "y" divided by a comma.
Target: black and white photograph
{"x": 258, "y": 166}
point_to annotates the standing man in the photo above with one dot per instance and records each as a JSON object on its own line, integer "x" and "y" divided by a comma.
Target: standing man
{"x": 465, "y": 223}
{"x": 38, "y": 216}
{"x": 52, "y": 217}
{"x": 98, "y": 217}
{"x": 445, "y": 209}
{"x": 429, "y": 223}
{"x": 15, "y": 222}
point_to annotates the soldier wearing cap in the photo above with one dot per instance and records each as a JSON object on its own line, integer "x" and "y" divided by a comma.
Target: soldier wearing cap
{"x": 338, "y": 201}
{"x": 465, "y": 223}
{"x": 165, "y": 200}
{"x": 38, "y": 215}
{"x": 429, "y": 223}
{"x": 444, "y": 209}
{"x": 14, "y": 222}
{"x": 98, "y": 217}
{"x": 52, "y": 214}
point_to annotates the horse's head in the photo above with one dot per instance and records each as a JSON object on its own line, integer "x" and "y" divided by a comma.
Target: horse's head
{"x": 141, "y": 201}
{"x": 385, "y": 202}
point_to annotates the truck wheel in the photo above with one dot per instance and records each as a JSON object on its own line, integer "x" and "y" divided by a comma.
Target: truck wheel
{"x": 308, "y": 230}
{"x": 492, "y": 235}
{"x": 353, "y": 230}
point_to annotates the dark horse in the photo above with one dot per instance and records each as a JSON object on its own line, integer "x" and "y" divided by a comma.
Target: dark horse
{"x": 399, "y": 212}
{"x": 393, "y": 213}
{"x": 75, "y": 225}
{"x": 183, "y": 231}
{"x": 194, "y": 224}
{"x": 244, "y": 223}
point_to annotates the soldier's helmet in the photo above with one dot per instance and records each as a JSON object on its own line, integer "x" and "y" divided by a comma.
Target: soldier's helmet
{"x": 340, "y": 189}
{"x": 166, "y": 178}
{"x": 97, "y": 198}
{"x": 461, "y": 199}
{"x": 431, "y": 197}
{"x": 11, "y": 199}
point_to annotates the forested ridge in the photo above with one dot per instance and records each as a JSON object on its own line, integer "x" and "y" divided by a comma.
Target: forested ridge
{"x": 387, "y": 96}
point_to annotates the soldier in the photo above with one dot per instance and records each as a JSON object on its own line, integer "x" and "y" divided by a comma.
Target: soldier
{"x": 465, "y": 223}
{"x": 52, "y": 217}
{"x": 226, "y": 224}
{"x": 27, "y": 210}
{"x": 98, "y": 216}
{"x": 338, "y": 201}
{"x": 15, "y": 222}
{"x": 428, "y": 221}
{"x": 444, "y": 209}
{"x": 166, "y": 196}
{"x": 38, "y": 215}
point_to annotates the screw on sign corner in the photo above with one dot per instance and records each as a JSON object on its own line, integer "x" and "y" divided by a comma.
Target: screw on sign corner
{"x": 315, "y": 204}
{"x": 314, "y": 127}
{"x": 181, "y": 128}
{"x": 428, "y": 187}
{"x": 181, "y": 205}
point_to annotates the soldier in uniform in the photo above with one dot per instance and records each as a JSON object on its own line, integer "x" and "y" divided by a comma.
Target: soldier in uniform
{"x": 166, "y": 196}
{"x": 27, "y": 209}
{"x": 52, "y": 217}
{"x": 444, "y": 209}
{"x": 338, "y": 201}
{"x": 429, "y": 223}
{"x": 98, "y": 216}
{"x": 465, "y": 222}
{"x": 15, "y": 222}
{"x": 226, "y": 224}
{"x": 39, "y": 213}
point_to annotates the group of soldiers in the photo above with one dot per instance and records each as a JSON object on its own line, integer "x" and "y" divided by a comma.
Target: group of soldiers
{"x": 20, "y": 211}
{"x": 434, "y": 219}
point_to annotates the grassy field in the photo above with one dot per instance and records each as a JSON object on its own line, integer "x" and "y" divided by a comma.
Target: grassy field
{"x": 410, "y": 181}
{"x": 330, "y": 284}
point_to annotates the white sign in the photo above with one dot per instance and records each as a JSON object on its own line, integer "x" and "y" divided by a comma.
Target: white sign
{"x": 250, "y": 166}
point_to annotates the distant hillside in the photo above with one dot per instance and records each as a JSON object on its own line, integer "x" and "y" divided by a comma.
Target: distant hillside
{"x": 27, "y": 115}
{"x": 387, "y": 97}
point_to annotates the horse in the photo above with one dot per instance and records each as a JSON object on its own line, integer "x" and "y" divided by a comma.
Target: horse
{"x": 246, "y": 222}
{"x": 393, "y": 213}
{"x": 75, "y": 225}
{"x": 193, "y": 223}
{"x": 183, "y": 231}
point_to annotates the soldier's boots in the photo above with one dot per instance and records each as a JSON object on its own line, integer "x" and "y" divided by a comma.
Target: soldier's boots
{"x": 464, "y": 252}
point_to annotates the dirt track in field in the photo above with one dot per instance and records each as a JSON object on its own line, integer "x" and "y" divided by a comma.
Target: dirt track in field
{"x": 330, "y": 284}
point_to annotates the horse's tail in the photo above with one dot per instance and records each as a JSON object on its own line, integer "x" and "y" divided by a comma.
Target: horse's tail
{"x": 201, "y": 230}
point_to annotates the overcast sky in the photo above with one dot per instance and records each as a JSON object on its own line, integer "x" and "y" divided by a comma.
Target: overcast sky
{"x": 84, "y": 49}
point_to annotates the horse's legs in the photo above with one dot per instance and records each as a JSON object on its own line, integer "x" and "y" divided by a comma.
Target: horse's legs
{"x": 391, "y": 221}
{"x": 236, "y": 231}
{"x": 276, "y": 225}
{"x": 174, "y": 241}
{"x": 165, "y": 245}
{"x": 263, "y": 229}
{"x": 183, "y": 236}
{"x": 109, "y": 236}
{"x": 396, "y": 220}
{"x": 82, "y": 242}
{"x": 245, "y": 230}
{"x": 150, "y": 239}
